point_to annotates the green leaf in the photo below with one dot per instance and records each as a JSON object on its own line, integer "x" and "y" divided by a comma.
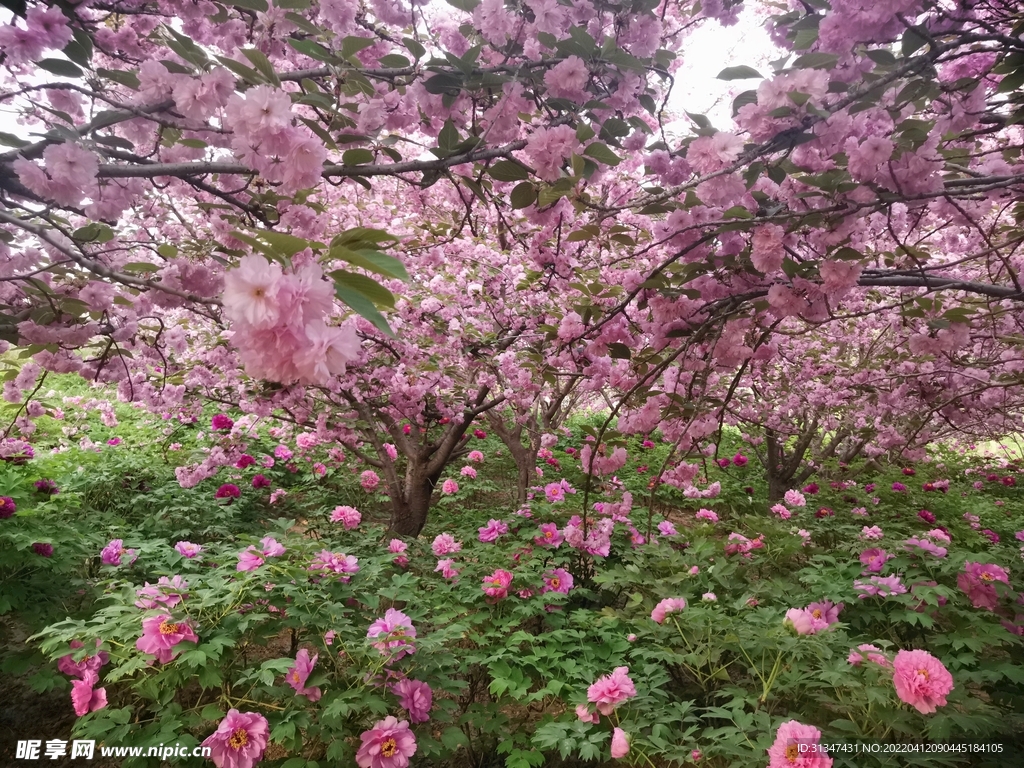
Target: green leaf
{"x": 524, "y": 195}
{"x": 350, "y": 46}
{"x": 742, "y": 72}
{"x": 372, "y": 261}
{"x": 363, "y": 306}
{"x": 602, "y": 153}
{"x": 357, "y": 156}
{"x": 367, "y": 286}
{"x": 122, "y": 76}
{"x": 443, "y": 83}
{"x": 79, "y": 50}
{"x": 10, "y": 140}
{"x": 262, "y": 64}
{"x": 60, "y": 67}
{"x": 816, "y": 61}
{"x": 453, "y": 738}
{"x": 747, "y": 97}
{"x": 312, "y": 49}
{"x": 448, "y": 138}
{"x": 287, "y": 244}
{"x": 913, "y": 39}
{"x": 618, "y": 351}
{"x": 248, "y": 75}
{"x": 506, "y": 170}
{"x": 414, "y": 47}
{"x": 394, "y": 61}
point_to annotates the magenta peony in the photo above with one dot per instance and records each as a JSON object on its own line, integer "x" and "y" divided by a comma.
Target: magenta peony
{"x": 222, "y": 423}
{"x": 239, "y": 740}
{"x": 299, "y": 672}
{"x": 160, "y": 635}
{"x": 393, "y": 634}
{"x": 416, "y": 698}
{"x": 496, "y": 585}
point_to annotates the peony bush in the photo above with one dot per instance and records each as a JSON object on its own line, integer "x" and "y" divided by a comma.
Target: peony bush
{"x": 298, "y": 631}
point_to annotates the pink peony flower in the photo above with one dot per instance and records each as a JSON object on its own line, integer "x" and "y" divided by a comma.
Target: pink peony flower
{"x": 393, "y": 634}
{"x": 739, "y": 460}
{"x": 111, "y": 554}
{"x": 476, "y": 457}
{"x": 249, "y": 559}
{"x": 228, "y": 491}
{"x": 795, "y": 499}
{"x": 299, "y": 673}
{"x": 389, "y": 744}
{"x": 874, "y": 655}
{"x": 416, "y": 698}
{"x": 88, "y": 664}
{"x": 222, "y": 423}
{"x": 921, "y": 680}
{"x": 85, "y": 697}
{"x": 493, "y": 530}
{"x": 667, "y": 606}
{"x": 875, "y": 559}
{"x": 369, "y": 480}
{"x": 825, "y": 610}
{"x": 878, "y": 586}
{"x": 554, "y": 492}
{"x": 160, "y": 635}
{"x": 611, "y": 690}
{"x": 260, "y": 481}
{"x": 239, "y": 740}
{"x": 468, "y": 471}
{"x": 349, "y": 516}
{"x": 804, "y": 622}
{"x": 446, "y": 568}
{"x": 977, "y": 582}
{"x": 666, "y": 528}
{"x": 794, "y": 747}
{"x": 585, "y": 715}
{"x": 780, "y": 511}
{"x": 620, "y": 743}
{"x": 707, "y": 514}
{"x": 166, "y": 593}
{"x": 558, "y": 580}
{"x": 445, "y": 544}
{"x": 496, "y": 585}
{"x": 335, "y": 562}
{"x": 871, "y": 534}
{"x": 549, "y": 536}
{"x": 449, "y": 486}
{"x": 188, "y": 549}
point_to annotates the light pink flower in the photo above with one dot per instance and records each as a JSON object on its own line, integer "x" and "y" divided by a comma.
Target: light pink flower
{"x": 393, "y": 634}
{"x": 350, "y": 517}
{"x": 476, "y": 457}
{"x": 780, "y": 510}
{"x": 468, "y": 471}
{"x": 667, "y": 606}
{"x": 416, "y": 698}
{"x": 825, "y": 610}
{"x": 878, "y": 586}
{"x": 166, "y": 593}
{"x": 299, "y": 673}
{"x": 921, "y": 680}
{"x": 445, "y": 544}
{"x": 160, "y": 635}
{"x": 585, "y": 715}
{"x": 874, "y": 654}
{"x": 977, "y": 581}
{"x": 666, "y": 528}
{"x": 795, "y": 498}
{"x": 250, "y": 292}
{"x": 496, "y": 585}
{"x": 804, "y": 622}
{"x": 239, "y": 740}
{"x": 493, "y": 530}
{"x": 369, "y": 480}
{"x": 875, "y": 559}
{"x": 620, "y": 743}
{"x": 871, "y": 534}
{"x": 449, "y": 486}
{"x": 188, "y": 549}
{"x": 88, "y": 664}
{"x": 389, "y": 744}
{"x": 611, "y": 690}
{"x": 446, "y": 568}
{"x": 707, "y": 514}
{"x": 794, "y": 747}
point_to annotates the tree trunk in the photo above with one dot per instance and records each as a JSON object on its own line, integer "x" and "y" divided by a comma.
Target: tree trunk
{"x": 526, "y": 464}
{"x": 409, "y": 507}
{"x": 777, "y": 487}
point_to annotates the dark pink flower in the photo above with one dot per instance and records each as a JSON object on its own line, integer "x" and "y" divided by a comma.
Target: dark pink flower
{"x": 239, "y": 740}
{"x": 723, "y": 463}
{"x": 160, "y": 635}
{"x": 260, "y": 481}
{"x": 978, "y": 580}
{"x": 245, "y": 460}
{"x": 85, "y": 697}
{"x": 927, "y": 516}
{"x": 811, "y": 488}
{"x": 740, "y": 460}
{"x": 7, "y": 507}
{"x": 909, "y": 471}
{"x": 557, "y": 580}
{"x": 228, "y": 491}
{"x": 43, "y": 549}
{"x": 222, "y": 423}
